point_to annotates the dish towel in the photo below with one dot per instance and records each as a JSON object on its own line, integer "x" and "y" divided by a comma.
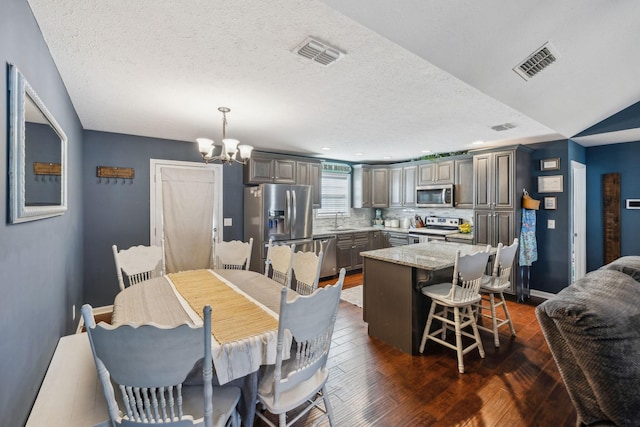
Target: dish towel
{"x": 528, "y": 244}
{"x": 528, "y": 252}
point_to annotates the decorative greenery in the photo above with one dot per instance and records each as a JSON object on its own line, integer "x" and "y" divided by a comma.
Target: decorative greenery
{"x": 440, "y": 155}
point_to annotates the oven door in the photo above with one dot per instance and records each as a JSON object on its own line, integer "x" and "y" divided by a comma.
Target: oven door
{"x": 422, "y": 238}
{"x": 434, "y": 196}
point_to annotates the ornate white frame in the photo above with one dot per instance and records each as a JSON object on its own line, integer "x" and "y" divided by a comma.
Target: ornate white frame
{"x": 18, "y": 211}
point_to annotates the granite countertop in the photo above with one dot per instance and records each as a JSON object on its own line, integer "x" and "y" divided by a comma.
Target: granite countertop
{"x": 325, "y": 232}
{"x": 427, "y": 256}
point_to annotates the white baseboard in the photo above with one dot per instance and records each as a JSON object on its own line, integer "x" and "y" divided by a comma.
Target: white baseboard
{"x": 542, "y": 294}
{"x": 96, "y": 312}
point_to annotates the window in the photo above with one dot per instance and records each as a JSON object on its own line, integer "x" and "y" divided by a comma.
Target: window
{"x": 336, "y": 194}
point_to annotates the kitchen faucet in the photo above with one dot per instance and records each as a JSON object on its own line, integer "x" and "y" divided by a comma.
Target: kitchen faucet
{"x": 335, "y": 224}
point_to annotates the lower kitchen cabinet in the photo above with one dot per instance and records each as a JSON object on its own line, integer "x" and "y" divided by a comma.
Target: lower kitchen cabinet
{"x": 348, "y": 248}
{"x": 395, "y": 239}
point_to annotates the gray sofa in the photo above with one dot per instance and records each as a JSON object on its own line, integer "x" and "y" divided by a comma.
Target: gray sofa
{"x": 593, "y": 330}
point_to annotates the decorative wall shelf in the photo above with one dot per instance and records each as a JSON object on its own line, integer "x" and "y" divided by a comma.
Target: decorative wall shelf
{"x": 115, "y": 172}
{"x": 42, "y": 168}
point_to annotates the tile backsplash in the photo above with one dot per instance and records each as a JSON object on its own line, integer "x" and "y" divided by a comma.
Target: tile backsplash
{"x": 364, "y": 217}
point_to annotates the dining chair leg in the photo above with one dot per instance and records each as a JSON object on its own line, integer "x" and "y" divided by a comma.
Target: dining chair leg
{"x": 456, "y": 320}
{"x": 476, "y": 332}
{"x": 282, "y": 420}
{"x": 494, "y": 319}
{"x": 425, "y": 334}
{"x": 327, "y": 405}
{"x": 507, "y": 315}
{"x": 445, "y": 325}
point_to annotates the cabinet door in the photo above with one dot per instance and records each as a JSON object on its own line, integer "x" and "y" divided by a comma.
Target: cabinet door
{"x": 395, "y": 187}
{"x": 308, "y": 173}
{"x": 360, "y": 244}
{"x": 426, "y": 173}
{"x": 284, "y": 171}
{"x": 375, "y": 240}
{"x": 503, "y": 178}
{"x": 409, "y": 179}
{"x": 463, "y": 192}
{"x": 482, "y": 227}
{"x": 503, "y": 228}
{"x": 444, "y": 172}
{"x": 366, "y": 188}
{"x": 260, "y": 170}
{"x": 482, "y": 181}
{"x": 344, "y": 244}
{"x": 380, "y": 188}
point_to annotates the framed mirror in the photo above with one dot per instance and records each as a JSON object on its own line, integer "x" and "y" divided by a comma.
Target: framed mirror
{"x": 37, "y": 155}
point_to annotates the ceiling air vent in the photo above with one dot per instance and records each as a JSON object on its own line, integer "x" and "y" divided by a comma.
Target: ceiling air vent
{"x": 504, "y": 126}
{"x": 537, "y": 61}
{"x": 318, "y": 52}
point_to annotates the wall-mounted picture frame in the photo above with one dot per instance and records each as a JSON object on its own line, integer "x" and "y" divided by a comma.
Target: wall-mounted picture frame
{"x": 550, "y": 164}
{"x": 550, "y": 184}
{"x": 551, "y": 203}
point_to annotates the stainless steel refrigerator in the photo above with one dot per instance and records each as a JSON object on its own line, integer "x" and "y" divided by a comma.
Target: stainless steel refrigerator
{"x": 280, "y": 212}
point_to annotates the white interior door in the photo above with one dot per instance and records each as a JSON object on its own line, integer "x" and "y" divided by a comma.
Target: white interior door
{"x": 157, "y": 223}
{"x": 579, "y": 221}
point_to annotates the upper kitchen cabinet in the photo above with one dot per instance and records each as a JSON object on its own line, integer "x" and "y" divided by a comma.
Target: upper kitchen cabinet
{"x": 310, "y": 173}
{"x": 268, "y": 168}
{"x": 495, "y": 179}
{"x": 436, "y": 173}
{"x": 463, "y": 191}
{"x": 370, "y": 186}
{"x": 402, "y": 185}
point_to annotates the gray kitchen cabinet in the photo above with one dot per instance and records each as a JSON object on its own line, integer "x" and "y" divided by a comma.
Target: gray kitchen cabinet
{"x": 265, "y": 168}
{"x": 379, "y": 187}
{"x": 348, "y": 248}
{"x": 463, "y": 190}
{"x": 499, "y": 177}
{"x": 436, "y": 173}
{"x": 370, "y": 187}
{"x": 393, "y": 239}
{"x": 395, "y": 187}
{"x": 376, "y": 240}
{"x": 310, "y": 173}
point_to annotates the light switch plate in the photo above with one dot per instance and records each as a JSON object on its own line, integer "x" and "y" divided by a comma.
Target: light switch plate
{"x": 228, "y": 222}
{"x": 551, "y": 223}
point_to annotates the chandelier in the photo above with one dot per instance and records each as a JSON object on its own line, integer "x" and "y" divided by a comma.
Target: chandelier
{"x": 230, "y": 148}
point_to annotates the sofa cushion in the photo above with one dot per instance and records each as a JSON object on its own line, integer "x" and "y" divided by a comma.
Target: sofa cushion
{"x": 593, "y": 330}
{"x": 629, "y": 265}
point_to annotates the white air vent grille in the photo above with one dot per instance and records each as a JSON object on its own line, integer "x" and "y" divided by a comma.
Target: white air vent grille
{"x": 537, "y": 61}
{"x": 504, "y": 126}
{"x": 318, "y": 52}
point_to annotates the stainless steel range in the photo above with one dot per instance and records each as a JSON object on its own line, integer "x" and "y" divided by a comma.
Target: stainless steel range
{"x": 436, "y": 228}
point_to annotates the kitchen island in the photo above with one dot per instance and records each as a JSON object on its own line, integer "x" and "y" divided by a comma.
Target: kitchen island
{"x": 394, "y": 306}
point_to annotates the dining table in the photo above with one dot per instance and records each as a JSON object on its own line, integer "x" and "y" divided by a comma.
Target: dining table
{"x": 245, "y": 307}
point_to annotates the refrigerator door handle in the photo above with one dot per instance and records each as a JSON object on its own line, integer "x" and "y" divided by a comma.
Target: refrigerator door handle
{"x": 294, "y": 218}
{"x": 287, "y": 217}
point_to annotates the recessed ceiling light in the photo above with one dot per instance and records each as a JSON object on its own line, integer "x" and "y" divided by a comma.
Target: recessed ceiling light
{"x": 326, "y": 148}
{"x": 425, "y": 151}
{"x": 358, "y": 154}
{"x": 477, "y": 142}
{"x": 386, "y": 157}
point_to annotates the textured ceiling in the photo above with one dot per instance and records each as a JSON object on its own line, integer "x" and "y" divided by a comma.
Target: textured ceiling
{"x": 417, "y": 75}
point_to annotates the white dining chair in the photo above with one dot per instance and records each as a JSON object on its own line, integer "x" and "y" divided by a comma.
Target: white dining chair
{"x": 305, "y": 272}
{"x": 492, "y": 288}
{"x": 460, "y": 296}
{"x": 148, "y": 364}
{"x": 233, "y": 255}
{"x": 277, "y": 265}
{"x": 302, "y": 379}
{"x": 138, "y": 263}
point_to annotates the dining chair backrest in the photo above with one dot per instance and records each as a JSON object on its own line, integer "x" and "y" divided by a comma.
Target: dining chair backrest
{"x": 148, "y": 364}
{"x": 468, "y": 271}
{"x": 278, "y": 263}
{"x": 503, "y": 263}
{"x": 306, "y": 272}
{"x": 233, "y": 255}
{"x": 310, "y": 319}
{"x": 138, "y": 263}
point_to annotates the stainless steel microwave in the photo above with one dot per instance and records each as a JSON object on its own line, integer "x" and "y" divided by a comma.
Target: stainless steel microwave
{"x": 435, "y": 196}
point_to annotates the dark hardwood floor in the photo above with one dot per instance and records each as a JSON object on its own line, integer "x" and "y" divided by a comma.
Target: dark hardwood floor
{"x": 373, "y": 384}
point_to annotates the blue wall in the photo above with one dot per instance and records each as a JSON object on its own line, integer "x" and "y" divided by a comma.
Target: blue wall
{"x": 117, "y": 211}
{"x": 40, "y": 261}
{"x": 615, "y": 158}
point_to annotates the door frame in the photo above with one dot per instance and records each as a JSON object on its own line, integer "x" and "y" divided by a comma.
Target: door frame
{"x": 155, "y": 196}
{"x": 578, "y": 218}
